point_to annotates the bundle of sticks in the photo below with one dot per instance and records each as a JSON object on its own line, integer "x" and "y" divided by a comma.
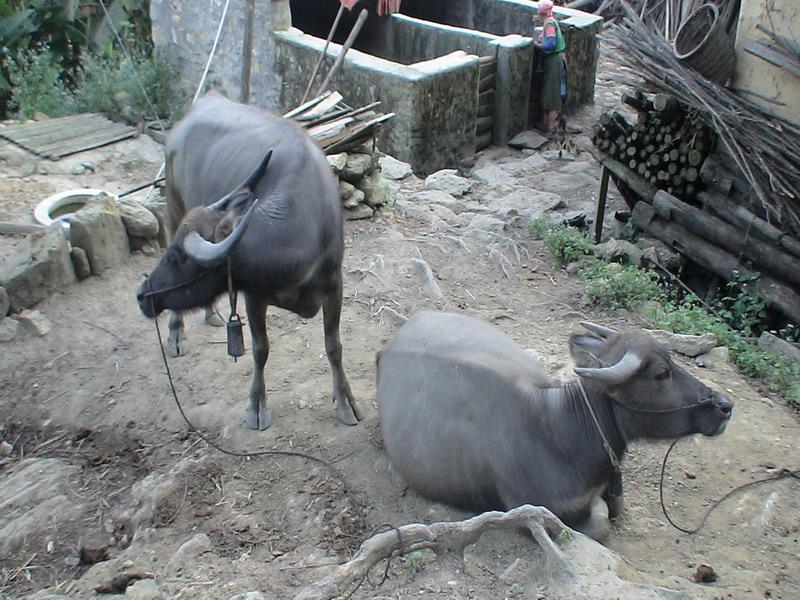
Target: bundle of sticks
{"x": 335, "y": 126}
{"x": 666, "y": 146}
{"x": 764, "y": 148}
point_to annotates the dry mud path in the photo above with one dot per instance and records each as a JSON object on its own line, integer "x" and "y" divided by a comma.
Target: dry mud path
{"x": 102, "y": 454}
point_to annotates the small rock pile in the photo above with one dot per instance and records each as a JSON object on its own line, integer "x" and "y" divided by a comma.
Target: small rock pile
{"x": 101, "y": 236}
{"x": 361, "y": 184}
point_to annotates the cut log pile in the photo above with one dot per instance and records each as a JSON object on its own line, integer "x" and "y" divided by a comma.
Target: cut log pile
{"x": 666, "y": 147}
{"x": 335, "y": 126}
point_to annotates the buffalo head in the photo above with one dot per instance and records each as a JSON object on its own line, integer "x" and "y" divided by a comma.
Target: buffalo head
{"x": 190, "y": 273}
{"x": 652, "y": 396}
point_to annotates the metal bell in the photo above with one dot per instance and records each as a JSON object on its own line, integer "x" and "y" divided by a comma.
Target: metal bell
{"x": 235, "y": 337}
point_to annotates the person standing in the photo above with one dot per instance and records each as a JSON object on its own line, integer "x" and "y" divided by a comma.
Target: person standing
{"x": 552, "y": 45}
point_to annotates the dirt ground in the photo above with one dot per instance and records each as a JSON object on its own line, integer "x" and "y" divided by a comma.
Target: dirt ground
{"x": 93, "y": 394}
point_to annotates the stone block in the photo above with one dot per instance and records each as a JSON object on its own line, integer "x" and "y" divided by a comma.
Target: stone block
{"x": 772, "y": 343}
{"x": 362, "y": 211}
{"x": 394, "y": 169}
{"x": 346, "y": 189}
{"x": 5, "y": 303}
{"x": 139, "y": 221}
{"x": 34, "y": 322}
{"x": 159, "y": 209}
{"x": 337, "y": 162}
{"x": 98, "y": 229}
{"x": 81, "y": 263}
{"x": 8, "y": 329}
{"x": 688, "y": 345}
{"x": 41, "y": 266}
{"x": 356, "y": 198}
{"x": 377, "y": 191}
{"x": 357, "y": 166}
{"x": 448, "y": 180}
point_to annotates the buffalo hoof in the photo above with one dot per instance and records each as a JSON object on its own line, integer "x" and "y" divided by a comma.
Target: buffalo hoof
{"x": 177, "y": 346}
{"x": 258, "y": 420}
{"x": 213, "y": 318}
{"x": 348, "y": 411}
{"x": 597, "y": 525}
{"x": 615, "y": 504}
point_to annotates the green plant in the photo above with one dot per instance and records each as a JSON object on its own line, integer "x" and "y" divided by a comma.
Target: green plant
{"x": 742, "y": 310}
{"x": 37, "y": 85}
{"x": 115, "y": 85}
{"x": 414, "y": 563}
{"x": 564, "y": 243}
{"x": 615, "y": 286}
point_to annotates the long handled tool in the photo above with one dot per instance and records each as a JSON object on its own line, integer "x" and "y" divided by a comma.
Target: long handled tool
{"x": 324, "y": 51}
{"x": 362, "y": 17}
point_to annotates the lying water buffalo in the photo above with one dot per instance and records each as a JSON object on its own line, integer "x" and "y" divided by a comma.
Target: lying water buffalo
{"x": 472, "y": 420}
{"x": 275, "y": 217}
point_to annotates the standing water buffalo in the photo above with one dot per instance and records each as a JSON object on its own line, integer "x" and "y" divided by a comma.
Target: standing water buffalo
{"x": 259, "y": 196}
{"x": 472, "y": 420}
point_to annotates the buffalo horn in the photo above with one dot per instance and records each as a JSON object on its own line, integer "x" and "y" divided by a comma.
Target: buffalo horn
{"x": 615, "y": 374}
{"x": 247, "y": 185}
{"x": 210, "y": 254}
{"x": 600, "y": 330}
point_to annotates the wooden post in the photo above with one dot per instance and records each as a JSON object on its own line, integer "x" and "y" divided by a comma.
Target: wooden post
{"x": 247, "y": 51}
{"x": 601, "y": 205}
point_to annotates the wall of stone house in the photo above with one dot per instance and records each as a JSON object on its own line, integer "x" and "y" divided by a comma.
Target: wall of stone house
{"x": 414, "y": 40}
{"x": 504, "y": 17}
{"x": 435, "y": 102}
{"x": 186, "y": 29}
{"x": 777, "y": 89}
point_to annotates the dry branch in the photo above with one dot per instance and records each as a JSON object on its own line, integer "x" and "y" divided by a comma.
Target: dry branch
{"x": 442, "y": 537}
{"x": 765, "y": 148}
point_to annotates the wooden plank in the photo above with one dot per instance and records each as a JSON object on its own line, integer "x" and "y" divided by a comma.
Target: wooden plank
{"x": 485, "y": 110}
{"x": 483, "y": 141}
{"x": 89, "y": 145}
{"x": 55, "y": 131}
{"x": 631, "y": 178}
{"x": 485, "y": 60}
{"x": 8, "y": 228}
{"x": 38, "y": 125}
{"x": 328, "y": 128}
{"x": 483, "y": 124}
{"x": 361, "y": 129}
{"x": 306, "y": 106}
{"x": 320, "y": 109}
{"x": 486, "y": 98}
{"x": 487, "y": 69}
{"x": 773, "y": 56}
{"x": 717, "y": 261}
{"x": 487, "y": 83}
{"x": 46, "y": 143}
{"x": 83, "y": 137}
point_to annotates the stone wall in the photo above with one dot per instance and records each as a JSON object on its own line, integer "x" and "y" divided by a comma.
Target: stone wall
{"x": 435, "y": 102}
{"x": 186, "y": 30}
{"x": 414, "y": 40}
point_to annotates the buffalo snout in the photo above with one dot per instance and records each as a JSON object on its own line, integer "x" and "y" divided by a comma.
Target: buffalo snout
{"x": 146, "y": 300}
{"x": 719, "y": 412}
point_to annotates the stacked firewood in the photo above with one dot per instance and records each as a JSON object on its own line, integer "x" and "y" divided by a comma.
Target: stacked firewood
{"x": 666, "y": 147}
{"x": 335, "y": 126}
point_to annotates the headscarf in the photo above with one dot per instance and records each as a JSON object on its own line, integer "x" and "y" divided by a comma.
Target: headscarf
{"x": 545, "y": 9}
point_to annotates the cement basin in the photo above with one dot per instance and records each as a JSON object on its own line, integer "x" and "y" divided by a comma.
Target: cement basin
{"x": 62, "y": 206}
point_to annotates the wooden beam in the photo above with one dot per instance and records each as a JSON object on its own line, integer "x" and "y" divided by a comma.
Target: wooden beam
{"x": 773, "y": 56}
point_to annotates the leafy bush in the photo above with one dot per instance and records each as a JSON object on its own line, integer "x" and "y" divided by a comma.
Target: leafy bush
{"x": 115, "y": 85}
{"x": 615, "y": 286}
{"x": 564, "y": 243}
{"x": 37, "y": 86}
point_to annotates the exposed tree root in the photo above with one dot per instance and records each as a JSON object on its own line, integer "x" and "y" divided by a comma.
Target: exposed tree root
{"x": 442, "y": 538}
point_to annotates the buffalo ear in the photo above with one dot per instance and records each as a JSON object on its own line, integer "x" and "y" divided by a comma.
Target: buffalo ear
{"x": 584, "y": 349}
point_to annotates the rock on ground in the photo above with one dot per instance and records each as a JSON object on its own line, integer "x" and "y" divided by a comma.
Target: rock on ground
{"x": 40, "y": 267}
{"x": 98, "y": 229}
{"x": 448, "y": 180}
{"x": 528, "y": 140}
{"x": 35, "y": 499}
{"x": 34, "y": 322}
{"x": 5, "y": 303}
{"x": 138, "y": 220}
{"x": 8, "y": 329}
{"x": 394, "y": 169}
{"x": 688, "y": 345}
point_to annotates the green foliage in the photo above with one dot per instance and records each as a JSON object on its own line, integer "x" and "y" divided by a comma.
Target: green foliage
{"x": 414, "y": 563}
{"x": 615, "y": 286}
{"x": 564, "y": 243}
{"x": 115, "y": 85}
{"x": 37, "y": 85}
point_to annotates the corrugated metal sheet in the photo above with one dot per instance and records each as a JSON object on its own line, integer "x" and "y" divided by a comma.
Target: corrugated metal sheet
{"x": 56, "y": 138}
